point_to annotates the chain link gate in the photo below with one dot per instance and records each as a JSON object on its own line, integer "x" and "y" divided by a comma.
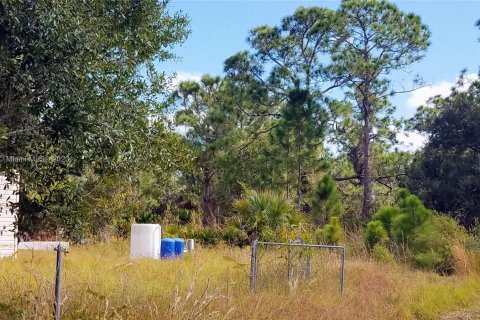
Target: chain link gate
{"x": 275, "y": 264}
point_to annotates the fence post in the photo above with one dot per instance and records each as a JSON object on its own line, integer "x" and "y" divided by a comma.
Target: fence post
{"x": 58, "y": 281}
{"x": 253, "y": 267}
{"x": 342, "y": 270}
{"x": 309, "y": 266}
{"x": 289, "y": 261}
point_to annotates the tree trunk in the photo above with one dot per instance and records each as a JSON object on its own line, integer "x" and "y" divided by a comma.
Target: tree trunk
{"x": 366, "y": 181}
{"x": 298, "y": 199}
{"x": 288, "y": 171}
{"x": 208, "y": 214}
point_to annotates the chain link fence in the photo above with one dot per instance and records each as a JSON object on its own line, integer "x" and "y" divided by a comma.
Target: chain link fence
{"x": 277, "y": 266}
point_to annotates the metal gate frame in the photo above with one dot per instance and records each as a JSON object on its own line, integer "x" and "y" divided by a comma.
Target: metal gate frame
{"x": 253, "y": 261}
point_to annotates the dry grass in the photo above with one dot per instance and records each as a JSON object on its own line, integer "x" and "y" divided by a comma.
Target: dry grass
{"x": 100, "y": 282}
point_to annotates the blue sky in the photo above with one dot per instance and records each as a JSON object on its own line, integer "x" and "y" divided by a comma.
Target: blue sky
{"x": 219, "y": 29}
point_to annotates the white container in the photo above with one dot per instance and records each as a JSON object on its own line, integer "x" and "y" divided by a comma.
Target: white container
{"x": 190, "y": 245}
{"x": 145, "y": 241}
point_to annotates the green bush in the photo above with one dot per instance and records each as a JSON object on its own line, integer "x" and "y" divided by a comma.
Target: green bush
{"x": 145, "y": 217}
{"x": 185, "y": 216}
{"x": 175, "y": 231}
{"x": 325, "y": 200}
{"x": 432, "y": 260}
{"x": 331, "y": 233}
{"x": 381, "y": 253}
{"x": 261, "y": 214}
{"x": 386, "y": 216}
{"x": 432, "y": 243}
{"x": 235, "y": 237}
{"x": 208, "y": 236}
{"x": 413, "y": 215}
{"x": 428, "y": 237}
{"x": 375, "y": 233}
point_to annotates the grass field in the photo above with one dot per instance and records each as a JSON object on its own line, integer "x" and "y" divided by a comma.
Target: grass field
{"x": 101, "y": 282}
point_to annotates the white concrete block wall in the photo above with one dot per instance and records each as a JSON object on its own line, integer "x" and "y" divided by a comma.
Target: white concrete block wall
{"x": 8, "y": 196}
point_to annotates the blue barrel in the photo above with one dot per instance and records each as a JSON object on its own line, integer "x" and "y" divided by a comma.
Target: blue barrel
{"x": 167, "y": 249}
{"x": 179, "y": 246}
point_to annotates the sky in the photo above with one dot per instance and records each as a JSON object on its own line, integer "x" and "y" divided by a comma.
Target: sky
{"x": 220, "y": 27}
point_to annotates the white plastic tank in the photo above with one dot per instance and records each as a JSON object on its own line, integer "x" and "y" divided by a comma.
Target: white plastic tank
{"x": 145, "y": 241}
{"x": 190, "y": 245}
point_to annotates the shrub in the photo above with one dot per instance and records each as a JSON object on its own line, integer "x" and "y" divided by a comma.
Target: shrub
{"x": 185, "y": 216}
{"x": 413, "y": 214}
{"x": 433, "y": 243}
{"x": 208, "y": 236}
{"x": 331, "y": 233}
{"x": 145, "y": 217}
{"x": 375, "y": 233}
{"x": 431, "y": 260}
{"x": 175, "y": 231}
{"x": 325, "y": 200}
{"x": 381, "y": 253}
{"x": 235, "y": 237}
{"x": 262, "y": 213}
{"x": 430, "y": 238}
{"x": 386, "y": 216}
{"x": 284, "y": 234}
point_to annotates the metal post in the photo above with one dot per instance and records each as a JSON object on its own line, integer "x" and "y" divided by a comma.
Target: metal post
{"x": 58, "y": 281}
{"x": 253, "y": 267}
{"x": 289, "y": 262}
{"x": 342, "y": 270}
{"x": 309, "y": 266}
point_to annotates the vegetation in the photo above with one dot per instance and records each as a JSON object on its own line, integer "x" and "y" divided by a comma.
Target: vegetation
{"x": 293, "y": 141}
{"x": 443, "y": 175}
{"x": 429, "y": 239}
{"x": 100, "y": 281}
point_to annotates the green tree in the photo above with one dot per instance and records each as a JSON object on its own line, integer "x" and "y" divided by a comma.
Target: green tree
{"x": 78, "y": 87}
{"x": 210, "y": 124}
{"x": 262, "y": 214}
{"x": 287, "y": 64}
{"x": 325, "y": 200}
{"x": 374, "y": 39}
{"x": 445, "y": 174}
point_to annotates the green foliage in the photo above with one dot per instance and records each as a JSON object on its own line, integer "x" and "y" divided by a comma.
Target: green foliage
{"x": 325, "y": 200}
{"x": 79, "y": 89}
{"x": 413, "y": 214}
{"x": 145, "y": 217}
{"x": 212, "y": 126}
{"x": 443, "y": 171}
{"x": 382, "y": 254}
{"x": 176, "y": 231}
{"x": 285, "y": 64}
{"x": 235, "y": 237}
{"x": 432, "y": 260}
{"x": 262, "y": 213}
{"x": 373, "y": 39}
{"x": 186, "y": 216}
{"x": 208, "y": 236}
{"x": 400, "y": 222}
{"x": 428, "y": 237}
{"x": 331, "y": 233}
{"x": 433, "y": 241}
{"x": 386, "y": 215}
{"x": 375, "y": 233}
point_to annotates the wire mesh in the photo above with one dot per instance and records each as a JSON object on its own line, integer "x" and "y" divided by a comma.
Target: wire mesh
{"x": 288, "y": 266}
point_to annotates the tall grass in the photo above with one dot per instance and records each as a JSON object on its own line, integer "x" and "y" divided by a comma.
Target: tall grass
{"x": 101, "y": 282}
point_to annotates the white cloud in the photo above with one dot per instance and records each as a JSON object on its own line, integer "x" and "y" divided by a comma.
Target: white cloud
{"x": 444, "y": 88}
{"x": 410, "y": 141}
{"x": 184, "y": 76}
{"x": 173, "y": 85}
